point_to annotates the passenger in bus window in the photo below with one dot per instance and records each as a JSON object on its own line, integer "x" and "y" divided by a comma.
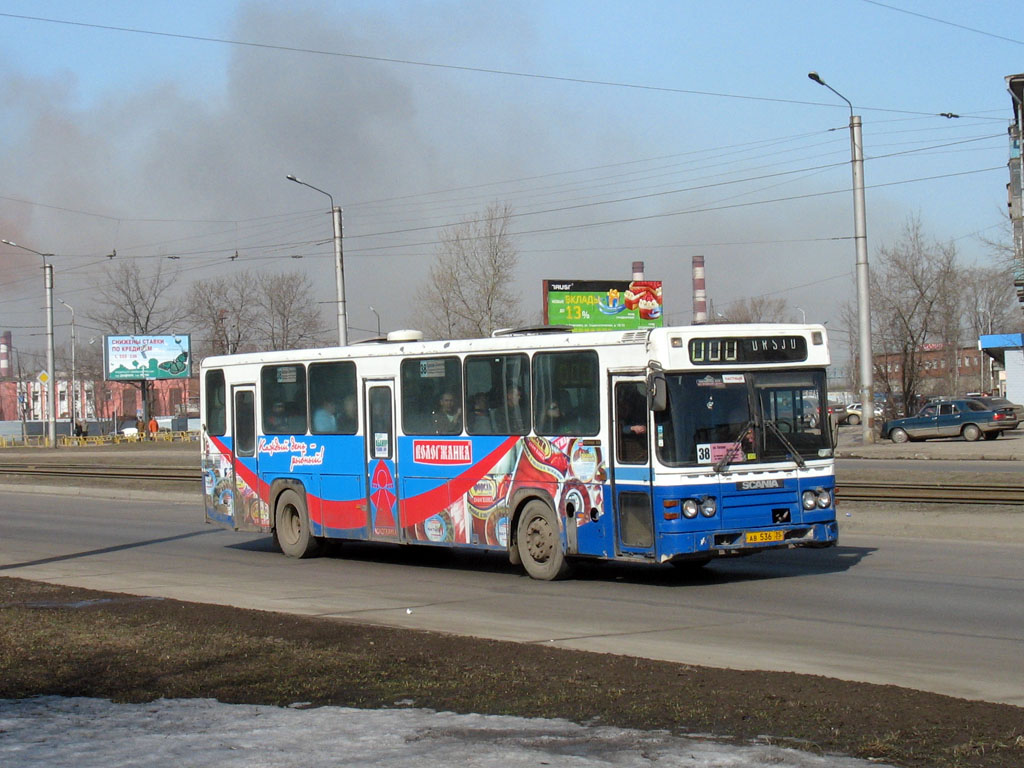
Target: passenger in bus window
{"x": 550, "y": 421}
{"x": 348, "y": 420}
{"x": 277, "y": 420}
{"x": 480, "y": 416}
{"x": 325, "y": 419}
{"x": 447, "y": 417}
{"x": 509, "y": 419}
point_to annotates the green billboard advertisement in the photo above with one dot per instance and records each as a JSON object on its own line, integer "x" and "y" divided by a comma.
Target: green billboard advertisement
{"x": 147, "y": 357}
{"x": 603, "y": 305}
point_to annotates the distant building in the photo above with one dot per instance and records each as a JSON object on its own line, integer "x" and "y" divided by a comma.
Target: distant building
{"x": 96, "y": 400}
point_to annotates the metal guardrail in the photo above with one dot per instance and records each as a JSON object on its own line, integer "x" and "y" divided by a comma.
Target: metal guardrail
{"x": 852, "y": 490}
{"x": 66, "y": 441}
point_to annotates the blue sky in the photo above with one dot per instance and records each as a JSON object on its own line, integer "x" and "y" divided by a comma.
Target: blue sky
{"x": 648, "y": 130}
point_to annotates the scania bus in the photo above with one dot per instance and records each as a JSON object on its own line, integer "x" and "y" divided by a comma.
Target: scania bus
{"x": 668, "y": 445}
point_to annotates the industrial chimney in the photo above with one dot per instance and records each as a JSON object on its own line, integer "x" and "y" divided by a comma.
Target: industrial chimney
{"x": 5, "y": 355}
{"x": 700, "y": 296}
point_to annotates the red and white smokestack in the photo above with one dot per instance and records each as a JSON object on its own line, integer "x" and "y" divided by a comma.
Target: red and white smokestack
{"x": 638, "y": 270}
{"x": 700, "y": 295}
{"x": 5, "y": 355}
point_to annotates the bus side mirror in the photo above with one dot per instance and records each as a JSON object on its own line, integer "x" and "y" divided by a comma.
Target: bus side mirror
{"x": 657, "y": 390}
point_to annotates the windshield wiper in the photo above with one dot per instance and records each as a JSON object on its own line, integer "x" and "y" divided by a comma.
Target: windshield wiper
{"x": 730, "y": 454}
{"x": 793, "y": 452}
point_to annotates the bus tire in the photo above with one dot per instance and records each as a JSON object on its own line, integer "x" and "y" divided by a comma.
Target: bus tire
{"x": 539, "y": 543}
{"x": 291, "y": 526}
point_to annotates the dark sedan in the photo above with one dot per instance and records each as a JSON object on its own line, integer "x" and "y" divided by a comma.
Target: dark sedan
{"x": 967, "y": 418}
{"x": 1002, "y": 404}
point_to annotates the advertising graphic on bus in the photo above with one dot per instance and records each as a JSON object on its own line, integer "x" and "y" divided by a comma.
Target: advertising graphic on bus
{"x": 663, "y": 445}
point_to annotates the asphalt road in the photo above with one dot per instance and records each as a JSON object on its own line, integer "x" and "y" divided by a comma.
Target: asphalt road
{"x": 895, "y": 603}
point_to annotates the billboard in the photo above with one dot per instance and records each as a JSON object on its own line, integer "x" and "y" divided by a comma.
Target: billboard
{"x": 147, "y": 357}
{"x": 603, "y": 305}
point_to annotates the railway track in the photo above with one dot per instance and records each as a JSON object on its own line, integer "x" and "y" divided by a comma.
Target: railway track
{"x": 847, "y": 490}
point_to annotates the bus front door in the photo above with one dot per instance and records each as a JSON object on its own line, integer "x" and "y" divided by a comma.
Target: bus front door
{"x": 381, "y": 461}
{"x": 247, "y": 512}
{"x": 631, "y": 467}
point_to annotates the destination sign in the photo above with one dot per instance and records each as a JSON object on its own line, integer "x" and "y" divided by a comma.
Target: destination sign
{"x": 729, "y": 350}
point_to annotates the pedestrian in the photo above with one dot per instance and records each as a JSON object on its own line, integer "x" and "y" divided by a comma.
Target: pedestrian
{"x": 153, "y": 427}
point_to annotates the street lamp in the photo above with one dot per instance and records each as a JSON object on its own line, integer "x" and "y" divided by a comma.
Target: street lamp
{"x": 377, "y": 315}
{"x": 52, "y": 384}
{"x": 860, "y": 236}
{"x": 72, "y": 411}
{"x": 339, "y": 268}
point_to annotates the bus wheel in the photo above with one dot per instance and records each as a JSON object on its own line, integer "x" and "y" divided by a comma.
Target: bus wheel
{"x": 539, "y": 543}
{"x": 291, "y": 526}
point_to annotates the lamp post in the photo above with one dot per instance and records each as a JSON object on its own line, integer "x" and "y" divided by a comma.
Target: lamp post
{"x": 52, "y": 384}
{"x": 377, "y": 315}
{"x": 72, "y": 410}
{"x": 339, "y": 268}
{"x": 860, "y": 236}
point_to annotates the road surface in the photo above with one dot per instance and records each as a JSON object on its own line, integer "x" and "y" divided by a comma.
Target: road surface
{"x": 914, "y": 610}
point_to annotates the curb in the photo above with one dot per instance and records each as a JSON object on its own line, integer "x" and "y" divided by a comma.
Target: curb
{"x": 856, "y": 454}
{"x": 176, "y": 497}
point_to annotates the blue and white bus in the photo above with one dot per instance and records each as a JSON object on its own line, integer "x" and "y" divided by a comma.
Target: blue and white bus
{"x": 668, "y": 445}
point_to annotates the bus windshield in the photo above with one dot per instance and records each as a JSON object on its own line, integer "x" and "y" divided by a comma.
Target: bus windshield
{"x": 721, "y": 419}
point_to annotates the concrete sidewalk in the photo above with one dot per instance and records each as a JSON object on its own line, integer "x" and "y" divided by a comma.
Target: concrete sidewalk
{"x": 1007, "y": 447}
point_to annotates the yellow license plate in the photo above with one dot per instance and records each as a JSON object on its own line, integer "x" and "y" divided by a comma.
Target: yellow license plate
{"x": 764, "y": 537}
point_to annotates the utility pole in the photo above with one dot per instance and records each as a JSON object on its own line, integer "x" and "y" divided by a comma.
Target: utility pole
{"x": 52, "y": 383}
{"x": 860, "y": 236}
{"x": 339, "y": 262}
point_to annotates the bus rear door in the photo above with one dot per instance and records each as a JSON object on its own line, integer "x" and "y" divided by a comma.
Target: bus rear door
{"x": 247, "y": 512}
{"x": 631, "y": 467}
{"x": 381, "y": 461}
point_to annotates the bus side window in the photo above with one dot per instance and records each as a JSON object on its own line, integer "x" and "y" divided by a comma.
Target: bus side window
{"x": 283, "y": 399}
{"x": 500, "y": 403}
{"x": 432, "y": 396}
{"x": 216, "y": 403}
{"x": 571, "y": 380}
{"x": 332, "y": 398}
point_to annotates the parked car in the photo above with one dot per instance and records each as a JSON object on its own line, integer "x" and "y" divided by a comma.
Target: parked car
{"x": 999, "y": 403}
{"x": 967, "y": 418}
{"x": 812, "y": 413}
{"x": 854, "y": 414}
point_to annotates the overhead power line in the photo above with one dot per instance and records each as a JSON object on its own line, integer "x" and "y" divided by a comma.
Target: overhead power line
{"x": 438, "y": 65}
{"x": 943, "y": 21}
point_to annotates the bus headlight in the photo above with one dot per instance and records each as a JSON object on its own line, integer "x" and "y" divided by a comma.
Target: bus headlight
{"x": 824, "y": 498}
{"x": 689, "y": 509}
{"x": 810, "y": 499}
{"x": 708, "y": 506}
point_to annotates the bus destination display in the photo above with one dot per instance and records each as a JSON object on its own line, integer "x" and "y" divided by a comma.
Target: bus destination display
{"x": 750, "y": 349}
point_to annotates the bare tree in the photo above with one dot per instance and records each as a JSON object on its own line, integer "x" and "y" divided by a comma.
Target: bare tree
{"x": 911, "y": 308}
{"x": 286, "y": 318}
{"x": 134, "y": 302}
{"x": 754, "y": 309}
{"x": 468, "y": 292}
{"x": 223, "y": 312}
{"x": 137, "y": 303}
{"x": 251, "y": 311}
{"x": 990, "y": 306}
